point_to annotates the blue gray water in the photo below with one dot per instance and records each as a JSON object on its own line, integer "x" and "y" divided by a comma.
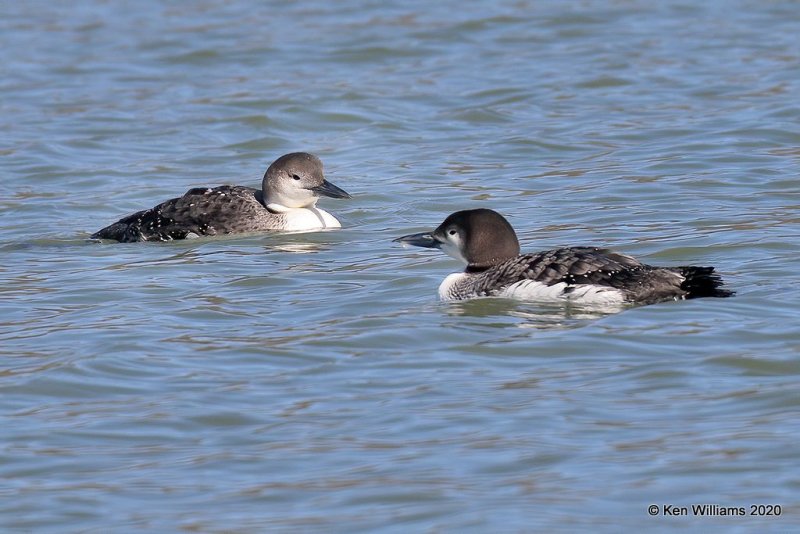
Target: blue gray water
{"x": 313, "y": 382}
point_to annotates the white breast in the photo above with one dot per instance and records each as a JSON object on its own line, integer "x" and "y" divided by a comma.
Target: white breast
{"x": 447, "y": 285}
{"x": 297, "y": 219}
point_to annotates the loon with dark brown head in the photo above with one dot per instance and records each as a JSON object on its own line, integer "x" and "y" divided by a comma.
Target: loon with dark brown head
{"x": 486, "y": 242}
{"x": 286, "y": 202}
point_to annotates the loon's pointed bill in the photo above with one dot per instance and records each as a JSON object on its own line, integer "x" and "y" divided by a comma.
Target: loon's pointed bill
{"x": 424, "y": 239}
{"x": 487, "y": 243}
{"x": 329, "y": 190}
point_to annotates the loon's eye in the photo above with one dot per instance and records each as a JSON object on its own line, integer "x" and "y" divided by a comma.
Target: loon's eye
{"x": 296, "y": 177}
{"x": 452, "y": 232}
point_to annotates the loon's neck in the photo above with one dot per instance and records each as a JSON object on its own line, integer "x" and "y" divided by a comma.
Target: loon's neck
{"x": 477, "y": 268}
{"x": 473, "y": 268}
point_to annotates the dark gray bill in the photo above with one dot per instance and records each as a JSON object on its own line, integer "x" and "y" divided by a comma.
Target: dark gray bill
{"x": 425, "y": 239}
{"x": 329, "y": 190}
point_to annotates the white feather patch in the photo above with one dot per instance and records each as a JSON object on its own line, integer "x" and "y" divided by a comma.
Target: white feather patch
{"x": 448, "y": 283}
{"x": 298, "y": 219}
{"x": 537, "y": 291}
{"x": 584, "y": 293}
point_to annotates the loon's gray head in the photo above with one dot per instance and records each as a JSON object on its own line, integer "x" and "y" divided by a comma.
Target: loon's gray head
{"x": 480, "y": 238}
{"x": 296, "y": 181}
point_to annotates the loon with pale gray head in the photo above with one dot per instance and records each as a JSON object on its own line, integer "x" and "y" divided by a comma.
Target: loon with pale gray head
{"x": 286, "y": 202}
{"x": 486, "y": 242}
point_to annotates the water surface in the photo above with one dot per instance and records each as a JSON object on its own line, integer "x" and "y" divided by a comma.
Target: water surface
{"x": 312, "y": 382}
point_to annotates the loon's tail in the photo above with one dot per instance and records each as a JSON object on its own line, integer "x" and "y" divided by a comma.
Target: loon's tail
{"x": 702, "y": 282}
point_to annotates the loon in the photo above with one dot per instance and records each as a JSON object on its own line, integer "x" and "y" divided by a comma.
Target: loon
{"x": 286, "y": 201}
{"x": 486, "y": 242}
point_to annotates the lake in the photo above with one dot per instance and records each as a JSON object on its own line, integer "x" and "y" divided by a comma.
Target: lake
{"x": 313, "y": 382}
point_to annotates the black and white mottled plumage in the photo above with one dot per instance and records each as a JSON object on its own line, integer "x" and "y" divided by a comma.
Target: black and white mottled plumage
{"x": 287, "y": 201}
{"x": 486, "y": 242}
